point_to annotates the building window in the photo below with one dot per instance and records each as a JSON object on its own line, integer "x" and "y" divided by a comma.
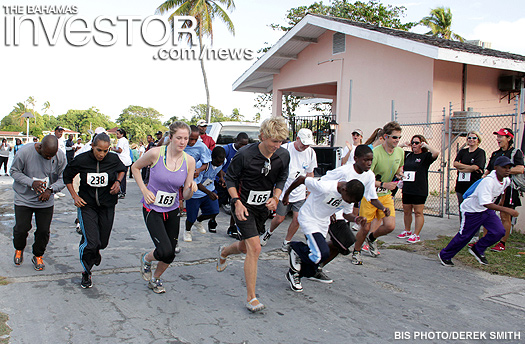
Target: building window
{"x": 338, "y": 43}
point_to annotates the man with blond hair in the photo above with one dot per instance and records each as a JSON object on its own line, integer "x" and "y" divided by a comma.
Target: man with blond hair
{"x": 255, "y": 180}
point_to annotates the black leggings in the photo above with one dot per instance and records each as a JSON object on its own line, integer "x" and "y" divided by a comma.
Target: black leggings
{"x": 164, "y": 231}
{"x": 3, "y": 161}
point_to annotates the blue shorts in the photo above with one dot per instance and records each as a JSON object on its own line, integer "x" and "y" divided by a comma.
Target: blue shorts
{"x": 207, "y": 206}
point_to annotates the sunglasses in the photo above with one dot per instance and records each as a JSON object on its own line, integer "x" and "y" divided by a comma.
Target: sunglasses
{"x": 415, "y": 142}
{"x": 395, "y": 137}
{"x": 472, "y": 138}
{"x": 266, "y": 168}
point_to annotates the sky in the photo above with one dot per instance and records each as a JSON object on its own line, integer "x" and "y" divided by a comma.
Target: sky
{"x": 110, "y": 78}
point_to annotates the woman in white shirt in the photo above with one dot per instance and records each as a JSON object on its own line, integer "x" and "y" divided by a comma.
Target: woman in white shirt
{"x": 123, "y": 151}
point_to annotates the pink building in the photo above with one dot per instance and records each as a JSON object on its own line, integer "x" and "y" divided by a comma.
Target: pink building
{"x": 371, "y": 72}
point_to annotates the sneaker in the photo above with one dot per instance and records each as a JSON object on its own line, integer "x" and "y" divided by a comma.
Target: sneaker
{"x": 404, "y": 235}
{"x": 61, "y": 194}
{"x": 356, "y": 258}
{"x": 212, "y": 226}
{"x": 413, "y": 239}
{"x": 372, "y": 248}
{"x": 265, "y": 237}
{"x": 285, "y": 246}
{"x": 364, "y": 248}
{"x": 295, "y": 281}
{"x": 19, "y": 257}
{"x": 498, "y": 248}
{"x": 86, "y": 281}
{"x": 187, "y": 236}
{"x": 38, "y": 263}
{"x": 470, "y": 244}
{"x": 479, "y": 257}
{"x": 121, "y": 195}
{"x": 156, "y": 286}
{"x": 78, "y": 229}
{"x": 177, "y": 248}
{"x": 145, "y": 268}
{"x": 199, "y": 227}
{"x": 320, "y": 276}
{"x": 294, "y": 260}
{"x": 445, "y": 262}
{"x": 55, "y": 196}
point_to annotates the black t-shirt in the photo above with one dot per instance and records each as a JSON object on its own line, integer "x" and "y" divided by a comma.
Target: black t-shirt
{"x": 478, "y": 158}
{"x": 249, "y": 174}
{"x": 70, "y": 153}
{"x": 417, "y": 183}
{"x": 518, "y": 157}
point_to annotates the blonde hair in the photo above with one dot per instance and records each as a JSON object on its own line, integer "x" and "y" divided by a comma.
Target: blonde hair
{"x": 475, "y": 133}
{"x": 275, "y": 128}
{"x": 178, "y": 125}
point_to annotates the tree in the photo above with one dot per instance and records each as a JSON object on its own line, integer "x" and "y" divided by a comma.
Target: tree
{"x": 440, "y": 23}
{"x": 139, "y": 122}
{"x": 236, "y": 115}
{"x": 204, "y": 11}
{"x": 83, "y": 120}
{"x": 46, "y": 108}
{"x": 199, "y": 112}
{"x": 171, "y": 120}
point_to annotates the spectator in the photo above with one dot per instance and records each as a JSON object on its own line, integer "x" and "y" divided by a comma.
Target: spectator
{"x": 349, "y": 150}
{"x": 70, "y": 153}
{"x": 35, "y": 139}
{"x": 18, "y": 145}
{"x": 135, "y": 155}
{"x": 4, "y": 155}
{"x": 141, "y": 149}
{"x": 505, "y": 138}
{"x": 208, "y": 141}
{"x": 59, "y": 132}
{"x": 375, "y": 139}
{"x": 470, "y": 163}
{"x": 415, "y": 185}
{"x": 77, "y": 146}
{"x": 145, "y": 171}
{"x": 122, "y": 149}
{"x": 158, "y": 134}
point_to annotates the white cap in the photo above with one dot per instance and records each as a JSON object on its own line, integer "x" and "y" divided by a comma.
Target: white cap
{"x": 306, "y": 137}
{"x": 202, "y": 123}
{"x": 359, "y": 131}
{"x": 100, "y": 130}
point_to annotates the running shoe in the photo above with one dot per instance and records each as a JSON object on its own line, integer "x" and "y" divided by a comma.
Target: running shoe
{"x": 295, "y": 281}
{"x": 265, "y": 237}
{"x": 445, "y": 262}
{"x": 78, "y": 229}
{"x": 177, "y": 248}
{"x": 232, "y": 232}
{"x": 38, "y": 263}
{"x": 320, "y": 276}
{"x": 156, "y": 286}
{"x": 61, "y": 194}
{"x": 145, "y": 268}
{"x": 372, "y": 248}
{"x": 356, "y": 258}
{"x": 199, "y": 227}
{"x": 187, "y": 236}
{"x": 479, "y": 257}
{"x": 470, "y": 244}
{"x": 404, "y": 235}
{"x": 212, "y": 226}
{"x": 498, "y": 248}
{"x": 220, "y": 267}
{"x": 285, "y": 246}
{"x": 364, "y": 248}
{"x": 413, "y": 239}
{"x": 86, "y": 281}
{"x": 19, "y": 257}
{"x": 294, "y": 260}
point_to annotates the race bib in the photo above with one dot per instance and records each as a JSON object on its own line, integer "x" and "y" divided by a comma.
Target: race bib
{"x": 464, "y": 177}
{"x": 333, "y": 201}
{"x": 207, "y": 182}
{"x": 165, "y": 199}
{"x": 45, "y": 180}
{"x": 258, "y": 197}
{"x": 409, "y": 176}
{"x": 97, "y": 180}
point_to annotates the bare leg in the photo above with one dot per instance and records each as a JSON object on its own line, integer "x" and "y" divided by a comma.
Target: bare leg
{"x": 506, "y": 219}
{"x": 374, "y": 225}
{"x": 360, "y": 236}
{"x": 276, "y": 221}
{"x": 407, "y": 216}
{"x": 294, "y": 226}
{"x": 389, "y": 223}
{"x": 253, "y": 249}
{"x": 420, "y": 219}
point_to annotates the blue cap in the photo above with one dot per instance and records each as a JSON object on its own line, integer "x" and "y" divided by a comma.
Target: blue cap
{"x": 502, "y": 161}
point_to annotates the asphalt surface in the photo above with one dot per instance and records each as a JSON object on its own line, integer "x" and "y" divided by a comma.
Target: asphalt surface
{"x": 397, "y": 297}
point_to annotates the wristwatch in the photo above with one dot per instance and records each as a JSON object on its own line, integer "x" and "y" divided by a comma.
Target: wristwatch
{"x": 235, "y": 199}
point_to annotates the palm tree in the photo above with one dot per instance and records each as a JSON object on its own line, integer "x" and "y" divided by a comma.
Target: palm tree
{"x": 440, "y": 23}
{"x": 46, "y": 108}
{"x": 204, "y": 11}
{"x": 31, "y": 101}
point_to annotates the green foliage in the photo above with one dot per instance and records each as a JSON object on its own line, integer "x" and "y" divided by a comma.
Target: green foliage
{"x": 198, "y": 112}
{"x": 171, "y": 120}
{"x": 236, "y": 115}
{"x": 289, "y": 106}
{"x": 15, "y": 122}
{"x": 82, "y": 120}
{"x": 139, "y": 122}
{"x": 440, "y": 23}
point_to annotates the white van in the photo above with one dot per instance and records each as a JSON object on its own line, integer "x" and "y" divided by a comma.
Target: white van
{"x": 224, "y": 133}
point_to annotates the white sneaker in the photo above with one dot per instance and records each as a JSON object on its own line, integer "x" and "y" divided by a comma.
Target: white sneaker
{"x": 61, "y": 194}
{"x": 187, "y": 236}
{"x": 265, "y": 237}
{"x": 285, "y": 246}
{"x": 56, "y": 196}
{"x": 199, "y": 227}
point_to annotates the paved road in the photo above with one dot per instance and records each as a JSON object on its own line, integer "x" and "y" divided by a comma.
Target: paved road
{"x": 397, "y": 294}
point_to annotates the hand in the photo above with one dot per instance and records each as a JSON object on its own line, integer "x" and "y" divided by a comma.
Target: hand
{"x": 115, "y": 188}
{"x": 272, "y": 204}
{"x": 39, "y": 186}
{"x": 424, "y": 145}
{"x": 386, "y": 211}
{"x": 196, "y": 174}
{"x": 333, "y": 219}
{"x": 240, "y": 211}
{"x": 79, "y": 202}
{"x": 360, "y": 220}
{"x": 149, "y": 197}
{"x": 286, "y": 199}
{"x": 513, "y": 213}
{"x": 213, "y": 196}
{"x": 348, "y": 145}
{"x": 222, "y": 182}
{"x": 44, "y": 196}
{"x": 193, "y": 186}
{"x": 390, "y": 185}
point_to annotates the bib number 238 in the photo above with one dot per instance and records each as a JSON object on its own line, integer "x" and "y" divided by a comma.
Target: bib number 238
{"x": 258, "y": 197}
{"x": 97, "y": 180}
{"x": 165, "y": 199}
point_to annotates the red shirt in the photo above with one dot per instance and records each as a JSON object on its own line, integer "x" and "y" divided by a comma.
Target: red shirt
{"x": 208, "y": 141}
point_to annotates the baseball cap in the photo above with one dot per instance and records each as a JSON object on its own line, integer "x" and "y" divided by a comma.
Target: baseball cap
{"x": 504, "y": 132}
{"x": 158, "y": 133}
{"x": 359, "y": 131}
{"x": 503, "y": 161}
{"x": 59, "y": 128}
{"x": 306, "y": 137}
{"x": 202, "y": 123}
{"x": 100, "y": 130}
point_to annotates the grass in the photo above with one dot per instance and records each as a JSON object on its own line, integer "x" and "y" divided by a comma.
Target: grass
{"x": 4, "y": 329}
{"x": 510, "y": 262}
{"x": 3, "y": 280}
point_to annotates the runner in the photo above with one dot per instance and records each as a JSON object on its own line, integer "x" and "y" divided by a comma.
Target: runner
{"x": 326, "y": 198}
{"x": 255, "y": 171}
{"x": 170, "y": 169}
{"x": 387, "y": 163}
{"x": 205, "y": 198}
{"x": 100, "y": 177}
{"x": 37, "y": 172}
{"x": 302, "y": 163}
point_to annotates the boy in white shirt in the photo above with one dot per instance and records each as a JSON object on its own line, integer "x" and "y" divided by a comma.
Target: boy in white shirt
{"x": 479, "y": 209}
{"x": 326, "y": 198}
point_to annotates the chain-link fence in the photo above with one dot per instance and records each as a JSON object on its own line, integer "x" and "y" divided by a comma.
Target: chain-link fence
{"x": 319, "y": 125}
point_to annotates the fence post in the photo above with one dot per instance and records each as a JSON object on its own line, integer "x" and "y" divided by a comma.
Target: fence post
{"x": 447, "y": 208}
{"x": 392, "y": 114}
{"x": 520, "y": 117}
{"x": 443, "y": 163}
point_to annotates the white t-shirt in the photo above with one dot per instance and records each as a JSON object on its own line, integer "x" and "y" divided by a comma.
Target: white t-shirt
{"x": 347, "y": 173}
{"x": 301, "y": 163}
{"x": 486, "y": 192}
{"x": 62, "y": 144}
{"x": 351, "y": 158}
{"x": 324, "y": 200}
{"x": 79, "y": 145}
{"x": 142, "y": 150}
{"x": 124, "y": 155}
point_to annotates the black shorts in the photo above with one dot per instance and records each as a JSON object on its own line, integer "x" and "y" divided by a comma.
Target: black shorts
{"x": 341, "y": 236}
{"x": 254, "y": 224}
{"x": 413, "y": 199}
{"x": 510, "y": 202}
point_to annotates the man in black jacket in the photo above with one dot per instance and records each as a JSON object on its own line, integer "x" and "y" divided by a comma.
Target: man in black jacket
{"x": 100, "y": 177}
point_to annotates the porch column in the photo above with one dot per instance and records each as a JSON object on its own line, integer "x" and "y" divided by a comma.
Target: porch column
{"x": 277, "y": 103}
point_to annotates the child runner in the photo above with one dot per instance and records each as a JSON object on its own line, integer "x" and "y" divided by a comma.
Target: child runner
{"x": 479, "y": 209}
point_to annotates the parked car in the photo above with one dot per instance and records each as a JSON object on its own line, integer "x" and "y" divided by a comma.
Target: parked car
{"x": 224, "y": 133}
